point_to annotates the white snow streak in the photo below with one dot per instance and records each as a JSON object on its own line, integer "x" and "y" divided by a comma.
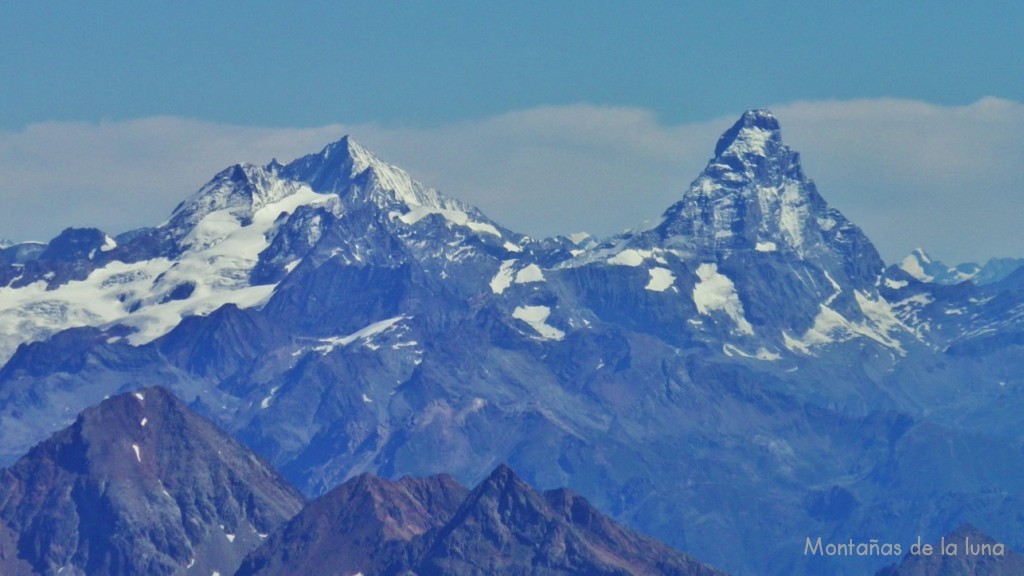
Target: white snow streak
{"x": 265, "y": 403}
{"x": 457, "y": 217}
{"x": 363, "y": 333}
{"x": 761, "y": 354}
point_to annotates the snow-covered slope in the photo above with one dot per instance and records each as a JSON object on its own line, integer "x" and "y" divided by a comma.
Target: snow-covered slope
{"x": 770, "y": 266}
{"x": 230, "y": 243}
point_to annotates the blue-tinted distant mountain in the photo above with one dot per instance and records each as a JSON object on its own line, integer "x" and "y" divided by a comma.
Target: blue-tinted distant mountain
{"x": 738, "y": 374}
{"x": 921, "y": 266}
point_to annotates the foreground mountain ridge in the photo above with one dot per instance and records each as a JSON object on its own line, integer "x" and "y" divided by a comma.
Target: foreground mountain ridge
{"x": 371, "y": 525}
{"x": 138, "y": 485}
{"x": 339, "y": 318}
{"x": 141, "y": 485}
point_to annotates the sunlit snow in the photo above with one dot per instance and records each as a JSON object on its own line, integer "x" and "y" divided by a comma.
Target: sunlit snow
{"x": 503, "y": 279}
{"x": 219, "y": 256}
{"x": 536, "y": 317}
{"x": 895, "y": 284}
{"x": 912, "y": 265}
{"x": 830, "y": 326}
{"x": 661, "y": 279}
{"x": 715, "y": 291}
{"x": 531, "y": 273}
{"x": 628, "y": 257}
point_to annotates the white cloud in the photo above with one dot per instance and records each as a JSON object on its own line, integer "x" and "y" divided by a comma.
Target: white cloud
{"x": 910, "y": 173}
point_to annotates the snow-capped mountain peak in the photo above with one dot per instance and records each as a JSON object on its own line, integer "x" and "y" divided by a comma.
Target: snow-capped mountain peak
{"x": 232, "y": 242}
{"x": 753, "y": 195}
{"x": 241, "y": 190}
{"x": 757, "y": 133}
{"x": 361, "y": 179}
{"x": 917, "y": 264}
{"x": 921, "y": 266}
{"x": 343, "y": 163}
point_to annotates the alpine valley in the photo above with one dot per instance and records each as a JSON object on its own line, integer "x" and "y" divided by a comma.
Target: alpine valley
{"x": 743, "y": 375}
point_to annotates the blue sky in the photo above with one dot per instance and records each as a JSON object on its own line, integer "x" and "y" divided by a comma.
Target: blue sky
{"x": 165, "y": 94}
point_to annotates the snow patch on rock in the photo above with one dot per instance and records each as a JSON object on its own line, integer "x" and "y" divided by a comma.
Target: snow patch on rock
{"x": 716, "y": 292}
{"x": 531, "y": 273}
{"x": 661, "y": 279}
{"x": 503, "y": 279}
{"x": 536, "y": 317}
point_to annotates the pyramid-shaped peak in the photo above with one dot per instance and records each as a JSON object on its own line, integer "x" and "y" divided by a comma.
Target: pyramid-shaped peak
{"x": 345, "y": 147}
{"x": 339, "y": 163}
{"x": 756, "y": 132}
{"x": 347, "y": 152}
{"x": 502, "y": 477}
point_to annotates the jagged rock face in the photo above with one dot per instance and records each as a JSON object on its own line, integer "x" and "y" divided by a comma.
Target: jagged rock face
{"x": 753, "y": 195}
{"x": 340, "y": 318}
{"x": 434, "y": 526}
{"x": 976, "y": 555}
{"x": 138, "y": 485}
{"x": 367, "y": 525}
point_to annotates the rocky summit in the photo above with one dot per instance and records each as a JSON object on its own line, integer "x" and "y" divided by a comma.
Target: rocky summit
{"x": 370, "y": 525}
{"x": 138, "y": 485}
{"x": 742, "y": 374}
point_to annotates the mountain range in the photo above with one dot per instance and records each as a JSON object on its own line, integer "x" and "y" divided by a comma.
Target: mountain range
{"x": 140, "y": 484}
{"x": 742, "y": 374}
{"x": 370, "y": 525}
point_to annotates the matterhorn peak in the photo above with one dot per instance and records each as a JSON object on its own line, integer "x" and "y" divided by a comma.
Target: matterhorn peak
{"x": 755, "y": 133}
{"x": 753, "y": 195}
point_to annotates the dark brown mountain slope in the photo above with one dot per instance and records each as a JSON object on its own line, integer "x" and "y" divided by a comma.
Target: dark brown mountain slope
{"x": 373, "y": 527}
{"x": 138, "y": 485}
